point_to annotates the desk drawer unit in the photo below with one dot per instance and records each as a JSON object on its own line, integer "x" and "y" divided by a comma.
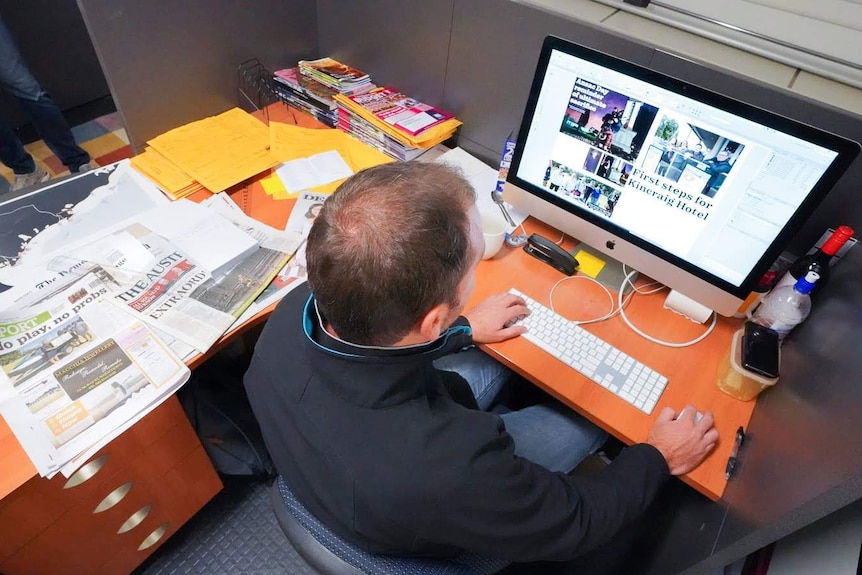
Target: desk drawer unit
{"x": 118, "y": 509}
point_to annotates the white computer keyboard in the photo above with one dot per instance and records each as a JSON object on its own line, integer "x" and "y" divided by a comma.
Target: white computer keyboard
{"x": 591, "y": 356}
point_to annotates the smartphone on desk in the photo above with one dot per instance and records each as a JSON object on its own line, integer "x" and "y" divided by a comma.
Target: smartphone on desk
{"x": 760, "y": 349}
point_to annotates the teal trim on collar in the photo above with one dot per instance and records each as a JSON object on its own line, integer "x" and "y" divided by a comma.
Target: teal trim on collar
{"x": 311, "y": 314}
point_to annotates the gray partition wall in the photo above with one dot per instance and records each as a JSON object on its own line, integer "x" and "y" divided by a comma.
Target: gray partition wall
{"x": 168, "y": 63}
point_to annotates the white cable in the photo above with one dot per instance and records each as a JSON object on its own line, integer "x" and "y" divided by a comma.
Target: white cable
{"x": 580, "y": 322}
{"x": 614, "y": 310}
{"x": 651, "y": 338}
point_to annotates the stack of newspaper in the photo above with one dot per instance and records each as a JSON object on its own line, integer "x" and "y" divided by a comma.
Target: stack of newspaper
{"x": 104, "y": 308}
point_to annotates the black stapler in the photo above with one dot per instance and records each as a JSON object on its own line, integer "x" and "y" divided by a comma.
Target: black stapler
{"x": 547, "y": 251}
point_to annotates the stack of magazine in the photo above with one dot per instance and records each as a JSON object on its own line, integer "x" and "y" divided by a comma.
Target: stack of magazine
{"x": 394, "y": 123}
{"x": 341, "y": 96}
{"x": 307, "y": 94}
{"x": 341, "y": 77}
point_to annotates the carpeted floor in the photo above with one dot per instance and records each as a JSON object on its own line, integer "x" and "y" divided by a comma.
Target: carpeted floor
{"x": 104, "y": 138}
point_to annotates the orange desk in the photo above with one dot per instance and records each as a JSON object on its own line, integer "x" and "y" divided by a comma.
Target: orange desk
{"x": 691, "y": 371}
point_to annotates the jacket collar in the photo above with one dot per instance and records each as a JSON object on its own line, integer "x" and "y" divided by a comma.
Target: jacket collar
{"x": 455, "y": 337}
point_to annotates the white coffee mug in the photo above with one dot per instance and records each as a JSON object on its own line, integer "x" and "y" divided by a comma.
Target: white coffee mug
{"x": 494, "y": 230}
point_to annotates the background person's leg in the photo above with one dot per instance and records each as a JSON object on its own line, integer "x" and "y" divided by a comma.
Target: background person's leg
{"x": 13, "y": 154}
{"x": 552, "y": 435}
{"x": 47, "y": 118}
{"x": 52, "y": 127}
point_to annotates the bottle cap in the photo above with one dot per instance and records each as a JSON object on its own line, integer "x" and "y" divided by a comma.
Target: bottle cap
{"x": 806, "y": 284}
{"x": 838, "y": 238}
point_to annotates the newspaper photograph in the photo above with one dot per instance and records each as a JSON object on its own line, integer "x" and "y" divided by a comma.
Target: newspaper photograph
{"x": 73, "y": 368}
{"x": 174, "y": 294}
{"x": 293, "y": 273}
{"x": 163, "y": 295}
{"x": 290, "y": 276}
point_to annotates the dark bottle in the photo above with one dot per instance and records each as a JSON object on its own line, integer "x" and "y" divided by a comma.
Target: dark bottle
{"x": 818, "y": 261}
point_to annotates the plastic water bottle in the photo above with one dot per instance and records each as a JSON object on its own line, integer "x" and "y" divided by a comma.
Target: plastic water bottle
{"x": 787, "y": 306}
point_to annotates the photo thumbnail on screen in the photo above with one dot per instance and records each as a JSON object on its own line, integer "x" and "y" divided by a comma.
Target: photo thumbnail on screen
{"x": 606, "y": 119}
{"x": 697, "y": 159}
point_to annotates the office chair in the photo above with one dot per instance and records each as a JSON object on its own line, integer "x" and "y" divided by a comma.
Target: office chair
{"x": 328, "y": 554}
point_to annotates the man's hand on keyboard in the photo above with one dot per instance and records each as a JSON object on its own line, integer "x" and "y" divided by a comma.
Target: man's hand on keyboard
{"x": 682, "y": 439}
{"x": 491, "y": 318}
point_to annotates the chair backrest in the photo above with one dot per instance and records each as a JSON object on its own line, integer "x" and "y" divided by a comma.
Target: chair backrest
{"x": 329, "y": 554}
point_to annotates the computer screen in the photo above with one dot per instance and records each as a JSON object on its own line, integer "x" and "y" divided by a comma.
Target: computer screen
{"x": 696, "y": 190}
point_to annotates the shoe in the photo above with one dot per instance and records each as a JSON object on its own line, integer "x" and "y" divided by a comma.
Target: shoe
{"x": 85, "y": 168}
{"x": 37, "y": 176}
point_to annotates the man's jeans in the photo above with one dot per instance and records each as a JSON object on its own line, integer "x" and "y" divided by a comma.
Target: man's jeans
{"x": 47, "y": 118}
{"x": 549, "y": 434}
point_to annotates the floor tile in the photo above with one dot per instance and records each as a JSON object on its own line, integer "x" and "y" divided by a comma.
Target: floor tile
{"x": 115, "y": 156}
{"x": 39, "y": 150}
{"x": 103, "y": 144}
{"x": 89, "y": 131}
{"x": 121, "y": 134}
{"x": 104, "y": 139}
{"x": 54, "y": 165}
{"x": 112, "y": 122}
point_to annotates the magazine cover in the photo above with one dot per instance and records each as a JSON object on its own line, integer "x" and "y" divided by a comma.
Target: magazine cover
{"x": 305, "y": 211}
{"x": 303, "y": 86}
{"x": 401, "y": 111}
{"x": 334, "y": 73}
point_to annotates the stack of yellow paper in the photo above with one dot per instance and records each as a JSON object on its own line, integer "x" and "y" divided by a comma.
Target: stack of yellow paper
{"x": 289, "y": 142}
{"x": 219, "y": 151}
{"x": 166, "y": 175}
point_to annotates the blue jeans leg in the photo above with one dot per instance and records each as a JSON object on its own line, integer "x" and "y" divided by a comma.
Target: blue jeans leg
{"x": 485, "y": 375}
{"x": 553, "y": 435}
{"x": 47, "y": 118}
{"x": 549, "y": 434}
{"x": 12, "y": 153}
{"x": 52, "y": 127}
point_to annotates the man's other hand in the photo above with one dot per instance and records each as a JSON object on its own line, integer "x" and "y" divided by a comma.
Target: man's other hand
{"x": 682, "y": 439}
{"x": 491, "y": 318}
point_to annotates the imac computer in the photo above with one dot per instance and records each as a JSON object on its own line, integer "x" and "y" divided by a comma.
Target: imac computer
{"x": 696, "y": 190}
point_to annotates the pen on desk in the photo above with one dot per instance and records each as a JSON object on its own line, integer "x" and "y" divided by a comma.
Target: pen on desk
{"x": 734, "y": 455}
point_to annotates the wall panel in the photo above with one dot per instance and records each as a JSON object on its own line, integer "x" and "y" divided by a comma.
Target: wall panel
{"x": 170, "y": 63}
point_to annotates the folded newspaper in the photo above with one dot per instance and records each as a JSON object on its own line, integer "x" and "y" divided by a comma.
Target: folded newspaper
{"x": 178, "y": 296}
{"x": 93, "y": 337}
{"x": 74, "y": 368}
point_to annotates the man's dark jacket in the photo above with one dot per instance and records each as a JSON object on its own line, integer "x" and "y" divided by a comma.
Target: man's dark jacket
{"x": 392, "y": 454}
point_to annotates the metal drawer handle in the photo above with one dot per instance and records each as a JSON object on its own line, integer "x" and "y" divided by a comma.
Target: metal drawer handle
{"x": 113, "y": 497}
{"x": 86, "y": 472}
{"x": 135, "y": 519}
{"x": 154, "y": 537}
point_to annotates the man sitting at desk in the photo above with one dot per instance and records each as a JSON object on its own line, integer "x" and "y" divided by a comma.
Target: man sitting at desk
{"x": 372, "y": 407}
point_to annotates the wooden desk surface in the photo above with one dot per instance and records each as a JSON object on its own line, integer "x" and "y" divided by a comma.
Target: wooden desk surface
{"x": 691, "y": 371}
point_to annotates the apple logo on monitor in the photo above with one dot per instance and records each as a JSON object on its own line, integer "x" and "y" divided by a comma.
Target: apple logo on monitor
{"x": 610, "y": 244}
